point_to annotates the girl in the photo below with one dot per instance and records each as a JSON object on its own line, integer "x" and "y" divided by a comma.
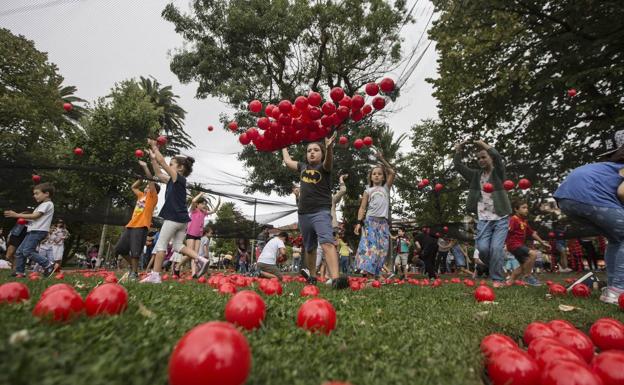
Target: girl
{"x": 315, "y": 202}
{"x": 199, "y": 210}
{"x": 242, "y": 257}
{"x": 373, "y": 217}
{"x": 174, "y": 210}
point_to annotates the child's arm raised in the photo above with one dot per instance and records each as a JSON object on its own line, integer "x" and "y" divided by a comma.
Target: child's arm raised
{"x": 389, "y": 169}
{"x": 214, "y": 211}
{"x": 173, "y": 174}
{"x": 329, "y": 152}
{"x": 148, "y": 174}
{"x": 291, "y": 164}
{"x": 135, "y": 187}
{"x": 361, "y": 213}
{"x": 195, "y": 199}
{"x": 31, "y": 216}
{"x": 157, "y": 170}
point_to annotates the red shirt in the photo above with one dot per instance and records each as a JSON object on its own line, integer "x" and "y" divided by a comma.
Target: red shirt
{"x": 519, "y": 230}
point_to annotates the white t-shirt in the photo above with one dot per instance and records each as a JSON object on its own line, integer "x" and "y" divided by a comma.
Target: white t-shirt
{"x": 270, "y": 251}
{"x": 44, "y": 222}
{"x": 202, "y": 244}
{"x": 377, "y": 201}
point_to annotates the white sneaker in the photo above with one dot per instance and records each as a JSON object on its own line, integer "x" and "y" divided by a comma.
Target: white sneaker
{"x": 566, "y": 270}
{"x": 329, "y": 282}
{"x": 152, "y": 277}
{"x": 610, "y": 295}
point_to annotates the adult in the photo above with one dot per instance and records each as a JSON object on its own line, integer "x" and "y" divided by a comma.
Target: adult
{"x": 594, "y": 194}
{"x": 492, "y": 208}
{"x": 428, "y": 250}
{"x": 267, "y": 262}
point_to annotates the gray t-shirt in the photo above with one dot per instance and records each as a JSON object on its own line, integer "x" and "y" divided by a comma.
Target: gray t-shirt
{"x": 377, "y": 201}
{"x": 44, "y": 222}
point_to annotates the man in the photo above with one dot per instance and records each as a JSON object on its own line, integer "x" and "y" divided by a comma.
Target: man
{"x": 492, "y": 209}
{"x": 267, "y": 262}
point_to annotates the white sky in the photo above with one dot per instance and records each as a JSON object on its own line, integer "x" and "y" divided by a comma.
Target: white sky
{"x": 96, "y": 43}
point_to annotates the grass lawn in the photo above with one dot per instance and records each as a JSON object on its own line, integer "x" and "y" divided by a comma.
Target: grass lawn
{"x": 397, "y": 334}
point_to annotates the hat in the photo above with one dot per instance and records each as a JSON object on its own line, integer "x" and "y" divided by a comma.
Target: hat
{"x": 613, "y": 144}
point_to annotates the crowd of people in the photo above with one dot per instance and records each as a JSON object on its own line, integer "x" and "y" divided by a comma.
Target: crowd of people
{"x": 506, "y": 248}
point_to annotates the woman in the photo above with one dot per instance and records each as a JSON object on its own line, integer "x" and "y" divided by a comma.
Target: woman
{"x": 594, "y": 194}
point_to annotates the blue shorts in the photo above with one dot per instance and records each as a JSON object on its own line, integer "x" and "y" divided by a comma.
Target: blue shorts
{"x": 460, "y": 260}
{"x": 316, "y": 228}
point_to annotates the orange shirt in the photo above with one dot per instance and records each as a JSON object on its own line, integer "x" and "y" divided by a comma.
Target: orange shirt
{"x": 143, "y": 210}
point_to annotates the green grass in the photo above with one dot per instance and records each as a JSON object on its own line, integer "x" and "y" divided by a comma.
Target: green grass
{"x": 393, "y": 335}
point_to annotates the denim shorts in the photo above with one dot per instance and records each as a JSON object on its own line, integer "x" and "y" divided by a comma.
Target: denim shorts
{"x": 316, "y": 229}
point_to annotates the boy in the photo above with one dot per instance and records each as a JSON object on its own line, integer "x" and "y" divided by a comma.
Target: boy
{"x": 519, "y": 229}
{"x": 402, "y": 249}
{"x": 267, "y": 262}
{"x": 38, "y": 228}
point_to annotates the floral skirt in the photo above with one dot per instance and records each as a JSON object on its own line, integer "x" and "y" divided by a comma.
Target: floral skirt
{"x": 373, "y": 246}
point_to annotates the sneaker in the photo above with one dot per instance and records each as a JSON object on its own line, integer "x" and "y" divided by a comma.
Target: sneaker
{"x": 133, "y": 276}
{"x": 152, "y": 277}
{"x": 18, "y": 275}
{"x": 532, "y": 281}
{"x": 329, "y": 282}
{"x": 610, "y": 295}
{"x": 478, "y": 261}
{"x": 48, "y": 271}
{"x": 305, "y": 273}
{"x": 566, "y": 270}
{"x": 390, "y": 276}
{"x": 588, "y": 279}
{"x": 340, "y": 283}
{"x": 202, "y": 266}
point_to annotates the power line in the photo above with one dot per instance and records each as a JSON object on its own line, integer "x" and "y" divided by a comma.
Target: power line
{"x": 36, "y": 7}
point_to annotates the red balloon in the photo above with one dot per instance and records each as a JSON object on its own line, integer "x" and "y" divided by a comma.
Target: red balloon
{"x": 513, "y": 366}
{"x": 581, "y": 290}
{"x": 13, "y": 292}
{"x": 538, "y": 344}
{"x": 336, "y": 94}
{"x": 558, "y": 324}
{"x": 368, "y": 141}
{"x": 210, "y": 128}
{"x": 213, "y": 353}
{"x": 494, "y": 343}
{"x": 578, "y": 342}
{"x": 425, "y": 182}
{"x": 78, "y": 151}
{"x": 343, "y": 112}
{"x": 535, "y": 330}
{"x": 445, "y": 229}
{"x": 59, "y": 276}
{"x": 309, "y": 291}
{"x": 524, "y": 183}
{"x": 357, "y": 102}
{"x": 552, "y": 353}
{"x": 488, "y": 187}
{"x": 484, "y": 293}
{"x": 371, "y": 89}
{"x": 36, "y": 179}
{"x": 57, "y": 287}
{"x": 233, "y": 126}
{"x": 246, "y": 309}
{"x": 345, "y": 101}
{"x": 285, "y": 119}
{"x": 59, "y": 306}
{"x": 268, "y": 110}
{"x": 108, "y": 299}
{"x": 21, "y": 221}
{"x": 509, "y": 185}
{"x": 358, "y": 144}
{"x": 328, "y": 108}
{"x": 255, "y": 106}
{"x": 314, "y": 99}
{"x": 285, "y": 106}
{"x": 367, "y": 109}
{"x": 252, "y": 133}
{"x": 343, "y": 140}
{"x": 608, "y": 366}
{"x": 572, "y": 92}
{"x": 607, "y": 334}
{"x": 357, "y": 115}
{"x": 317, "y": 315}
{"x": 138, "y": 153}
{"x": 315, "y": 113}
{"x": 386, "y": 85}
{"x": 68, "y": 107}
{"x": 379, "y": 102}
{"x": 376, "y": 284}
{"x": 438, "y": 187}
{"x": 301, "y": 103}
{"x": 244, "y": 139}
{"x": 566, "y": 372}
{"x": 270, "y": 287}
{"x": 161, "y": 140}
{"x": 557, "y": 289}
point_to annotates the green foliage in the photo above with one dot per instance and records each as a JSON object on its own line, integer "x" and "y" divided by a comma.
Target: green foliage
{"x": 230, "y": 225}
{"x": 401, "y": 334}
{"x": 504, "y": 71}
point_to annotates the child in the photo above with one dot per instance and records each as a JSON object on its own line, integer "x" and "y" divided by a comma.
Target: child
{"x": 267, "y": 263}
{"x": 174, "y": 211}
{"x": 315, "y": 201}
{"x": 199, "y": 211}
{"x": 373, "y": 217}
{"x": 53, "y": 246}
{"x": 402, "y": 249}
{"x": 131, "y": 242}
{"x": 519, "y": 229}
{"x": 242, "y": 257}
{"x": 38, "y": 228}
{"x": 345, "y": 251}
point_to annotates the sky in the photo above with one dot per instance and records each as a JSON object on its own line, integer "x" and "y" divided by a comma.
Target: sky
{"x": 96, "y": 43}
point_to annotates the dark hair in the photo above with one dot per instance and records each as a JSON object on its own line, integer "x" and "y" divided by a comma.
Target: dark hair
{"x": 207, "y": 229}
{"x": 321, "y": 146}
{"x": 383, "y": 171}
{"x": 283, "y": 234}
{"x": 157, "y": 187}
{"x": 201, "y": 200}
{"x": 187, "y": 162}
{"x": 517, "y": 203}
{"x": 45, "y": 188}
{"x": 617, "y": 156}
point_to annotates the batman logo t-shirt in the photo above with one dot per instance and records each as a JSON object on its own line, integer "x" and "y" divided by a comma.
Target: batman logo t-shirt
{"x": 315, "y": 189}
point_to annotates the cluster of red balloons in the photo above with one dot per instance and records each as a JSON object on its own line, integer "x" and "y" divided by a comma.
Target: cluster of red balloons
{"x": 558, "y": 353}
{"x": 308, "y": 118}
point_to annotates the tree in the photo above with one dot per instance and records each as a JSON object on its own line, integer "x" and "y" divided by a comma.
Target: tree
{"x": 504, "y": 71}
{"x": 272, "y": 50}
{"x": 171, "y": 113}
{"x": 230, "y": 225}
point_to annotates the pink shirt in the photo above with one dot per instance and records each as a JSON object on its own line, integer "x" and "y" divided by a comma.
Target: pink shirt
{"x": 196, "y": 225}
